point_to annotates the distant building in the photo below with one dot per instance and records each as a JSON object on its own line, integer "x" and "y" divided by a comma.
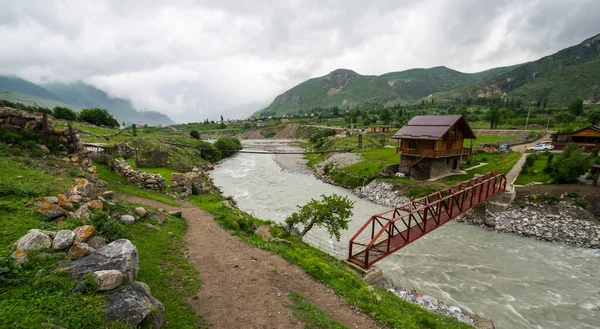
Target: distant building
{"x": 587, "y": 138}
{"x": 379, "y": 129}
{"x": 284, "y": 121}
{"x": 260, "y": 123}
{"x": 431, "y": 146}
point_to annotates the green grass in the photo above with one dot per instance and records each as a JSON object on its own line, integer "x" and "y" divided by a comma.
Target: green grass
{"x": 311, "y": 315}
{"x": 485, "y": 139}
{"x": 536, "y": 172}
{"x": 120, "y": 184}
{"x": 497, "y": 162}
{"x": 166, "y": 269}
{"x": 391, "y": 311}
{"x": 372, "y": 162}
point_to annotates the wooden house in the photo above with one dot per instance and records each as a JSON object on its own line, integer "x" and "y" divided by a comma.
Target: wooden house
{"x": 588, "y": 138}
{"x": 379, "y": 129}
{"x": 431, "y": 146}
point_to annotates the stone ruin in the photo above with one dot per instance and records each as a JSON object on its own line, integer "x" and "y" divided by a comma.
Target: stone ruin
{"x": 183, "y": 184}
{"x": 154, "y": 182}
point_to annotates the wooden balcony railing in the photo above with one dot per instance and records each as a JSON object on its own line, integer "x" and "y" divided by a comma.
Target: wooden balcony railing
{"x": 433, "y": 153}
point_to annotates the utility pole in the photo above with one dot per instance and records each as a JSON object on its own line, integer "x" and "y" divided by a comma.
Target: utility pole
{"x": 547, "y": 123}
{"x": 527, "y": 121}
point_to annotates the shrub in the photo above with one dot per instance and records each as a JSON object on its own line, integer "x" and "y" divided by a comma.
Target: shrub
{"x": 228, "y": 146}
{"x": 572, "y": 194}
{"x": 98, "y": 117}
{"x": 594, "y": 152}
{"x": 532, "y": 197}
{"x": 581, "y": 203}
{"x": 209, "y": 152}
{"x": 549, "y": 199}
{"x": 550, "y": 157}
{"x": 572, "y": 164}
{"x": 529, "y": 160}
{"x": 108, "y": 227}
{"x": 195, "y": 134}
{"x": 64, "y": 113}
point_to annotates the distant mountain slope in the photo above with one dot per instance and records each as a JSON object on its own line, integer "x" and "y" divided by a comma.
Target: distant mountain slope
{"x": 348, "y": 89}
{"x": 87, "y": 96}
{"x": 561, "y": 77}
{"x": 18, "y": 85}
{"x": 34, "y": 100}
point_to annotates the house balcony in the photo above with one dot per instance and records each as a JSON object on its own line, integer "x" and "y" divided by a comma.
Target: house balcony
{"x": 433, "y": 153}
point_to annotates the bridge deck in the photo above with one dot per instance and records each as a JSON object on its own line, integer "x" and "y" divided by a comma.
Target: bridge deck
{"x": 413, "y": 220}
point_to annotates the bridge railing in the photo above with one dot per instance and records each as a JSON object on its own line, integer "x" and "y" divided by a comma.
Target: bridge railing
{"x": 388, "y": 231}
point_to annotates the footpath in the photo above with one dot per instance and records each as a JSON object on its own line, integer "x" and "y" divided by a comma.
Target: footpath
{"x": 246, "y": 287}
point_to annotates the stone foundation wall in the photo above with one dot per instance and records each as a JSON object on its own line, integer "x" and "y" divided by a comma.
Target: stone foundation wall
{"x": 14, "y": 119}
{"x": 154, "y": 182}
{"x": 443, "y": 165}
{"x": 183, "y": 184}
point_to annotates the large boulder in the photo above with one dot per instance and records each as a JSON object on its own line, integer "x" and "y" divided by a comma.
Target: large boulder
{"x": 84, "y": 233}
{"x": 83, "y": 188}
{"x": 140, "y": 212}
{"x": 33, "y": 240}
{"x": 63, "y": 239}
{"x": 127, "y": 219}
{"x": 119, "y": 255}
{"x": 135, "y": 306}
{"x": 78, "y": 250}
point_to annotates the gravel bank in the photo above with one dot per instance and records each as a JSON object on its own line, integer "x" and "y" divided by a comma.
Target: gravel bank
{"x": 381, "y": 193}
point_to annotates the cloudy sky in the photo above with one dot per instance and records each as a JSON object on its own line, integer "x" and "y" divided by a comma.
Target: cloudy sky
{"x": 197, "y": 59}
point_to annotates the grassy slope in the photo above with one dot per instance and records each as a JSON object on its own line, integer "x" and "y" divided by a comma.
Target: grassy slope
{"x": 488, "y": 140}
{"x": 391, "y": 311}
{"x": 311, "y": 315}
{"x": 536, "y": 172}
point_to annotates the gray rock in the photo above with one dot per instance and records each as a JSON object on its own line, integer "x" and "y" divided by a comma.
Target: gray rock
{"x": 63, "y": 240}
{"x": 33, "y": 240}
{"x": 51, "y": 211}
{"x": 78, "y": 250}
{"x": 175, "y": 213}
{"x": 96, "y": 242}
{"x": 135, "y": 306}
{"x": 140, "y": 212}
{"x": 109, "y": 195}
{"x": 43, "y": 148}
{"x": 430, "y": 299}
{"x": 108, "y": 279}
{"x": 127, "y": 219}
{"x": 75, "y": 198}
{"x": 454, "y": 309}
{"x": 51, "y": 199}
{"x": 155, "y": 219}
{"x": 119, "y": 255}
{"x": 150, "y": 226}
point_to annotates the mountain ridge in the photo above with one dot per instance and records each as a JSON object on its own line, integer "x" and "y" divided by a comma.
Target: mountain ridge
{"x": 561, "y": 77}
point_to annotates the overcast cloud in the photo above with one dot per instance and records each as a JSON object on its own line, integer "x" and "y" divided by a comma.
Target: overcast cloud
{"x": 197, "y": 59}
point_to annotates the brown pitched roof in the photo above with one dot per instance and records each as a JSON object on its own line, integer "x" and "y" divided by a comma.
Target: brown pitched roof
{"x": 433, "y": 127}
{"x": 594, "y": 127}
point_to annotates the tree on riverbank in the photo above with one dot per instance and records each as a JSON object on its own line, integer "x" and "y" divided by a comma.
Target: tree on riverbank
{"x": 332, "y": 212}
{"x": 572, "y": 164}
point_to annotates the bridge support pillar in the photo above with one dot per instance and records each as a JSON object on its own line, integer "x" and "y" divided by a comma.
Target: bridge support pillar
{"x": 479, "y": 210}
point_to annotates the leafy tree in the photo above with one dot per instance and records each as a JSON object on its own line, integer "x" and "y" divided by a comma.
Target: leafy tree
{"x": 332, "y": 212}
{"x": 195, "y": 134}
{"x": 564, "y": 117}
{"x": 385, "y": 115}
{"x": 221, "y": 118}
{"x": 576, "y": 107}
{"x": 134, "y": 130}
{"x": 98, "y": 117}
{"x": 572, "y": 164}
{"x": 228, "y": 145}
{"x": 64, "y": 113}
{"x": 593, "y": 117}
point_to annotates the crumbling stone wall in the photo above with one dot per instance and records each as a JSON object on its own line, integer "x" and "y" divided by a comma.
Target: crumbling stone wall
{"x": 154, "y": 182}
{"x": 183, "y": 184}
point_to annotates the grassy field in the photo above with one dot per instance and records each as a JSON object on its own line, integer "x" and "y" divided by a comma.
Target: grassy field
{"x": 496, "y": 162}
{"x": 536, "y": 172}
{"x": 484, "y": 139}
{"x": 391, "y": 311}
{"x": 372, "y": 162}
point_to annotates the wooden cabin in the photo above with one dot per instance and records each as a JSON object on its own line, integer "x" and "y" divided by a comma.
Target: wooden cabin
{"x": 588, "y": 138}
{"x": 379, "y": 129}
{"x": 432, "y": 145}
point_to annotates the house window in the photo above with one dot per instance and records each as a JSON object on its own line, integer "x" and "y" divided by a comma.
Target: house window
{"x": 413, "y": 144}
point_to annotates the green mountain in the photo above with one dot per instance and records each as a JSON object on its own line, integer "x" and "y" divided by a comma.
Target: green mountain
{"x": 348, "y": 89}
{"x": 569, "y": 74}
{"x": 86, "y": 96}
{"x": 75, "y": 96}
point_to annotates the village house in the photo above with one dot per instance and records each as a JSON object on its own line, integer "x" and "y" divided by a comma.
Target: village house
{"x": 587, "y": 138}
{"x": 431, "y": 146}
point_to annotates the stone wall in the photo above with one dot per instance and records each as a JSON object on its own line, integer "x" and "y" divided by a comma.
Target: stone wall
{"x": 14, "y": 119}
{"x": 183, "y": 184}
{"x": 154, "y": 182}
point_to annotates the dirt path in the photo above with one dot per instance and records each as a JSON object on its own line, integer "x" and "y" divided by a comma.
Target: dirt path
{"x": 246, "y": 287}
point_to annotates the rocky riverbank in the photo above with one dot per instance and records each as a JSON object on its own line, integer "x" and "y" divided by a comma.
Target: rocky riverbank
{"x": 381, "y": 193}
{"x": 563, "y": 222}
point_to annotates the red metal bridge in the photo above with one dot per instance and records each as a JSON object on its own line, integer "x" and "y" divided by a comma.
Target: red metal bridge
{"x": 390, "y": 231}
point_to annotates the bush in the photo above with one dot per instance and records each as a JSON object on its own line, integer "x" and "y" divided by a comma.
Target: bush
{"x": 594, "y": 152}
{"x": 98, "y": 117}
{"x": 572, "y": 194}
{"x": 208, "y": 151}
{"x": 228, "y": 146}
{"x": 108, "y": 227}
{"x": 532, "y": 197}
{"x": 195, "y": 134}
{"x": 550, "y": 157}
{"x": 572, "y": 164}
{"x": 64, "y": 113}
{"x": 549, "y": 199}
{"x": 529, "y": 160}
{"x": 581, "y": 203}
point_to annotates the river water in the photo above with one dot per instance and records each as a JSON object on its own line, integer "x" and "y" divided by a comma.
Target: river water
{"x": 517, "y": 282}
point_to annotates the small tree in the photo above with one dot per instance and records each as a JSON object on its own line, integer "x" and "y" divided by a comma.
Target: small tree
{"x": 195, "y": 134}
{"x": 64, "y": 113}
{"x": 134, "y": 130}
{"x": 576, "y": 107}
{"x": 332, "y": 212}
{"x": 572, "y": 164}
{"x": 98, "y": 117}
